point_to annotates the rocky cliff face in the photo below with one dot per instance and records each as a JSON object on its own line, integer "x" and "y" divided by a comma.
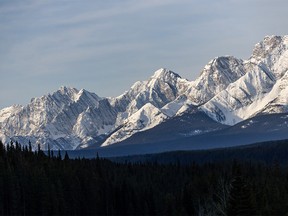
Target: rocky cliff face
{"x": 263, "y": 88}
{"x": 215, "y": 77}
{"x": 228, "y": 90}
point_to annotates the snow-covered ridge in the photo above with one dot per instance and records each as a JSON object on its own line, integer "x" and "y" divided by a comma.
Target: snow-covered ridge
{"x": 258, "y": 90}
{"x": 228, "y": 90}
{"x": 145, "y": 118}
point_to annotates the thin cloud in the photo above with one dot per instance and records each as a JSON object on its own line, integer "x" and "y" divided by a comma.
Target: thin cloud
{"x": 96, "y": 12}
{"x": 126, "y": 39}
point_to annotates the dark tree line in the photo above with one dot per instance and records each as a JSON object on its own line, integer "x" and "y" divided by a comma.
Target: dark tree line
{"x": 34, "y": 183}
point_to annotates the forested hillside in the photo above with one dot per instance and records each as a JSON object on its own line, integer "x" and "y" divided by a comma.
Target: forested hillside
{"x": 32, "y": 183}
{"x": 268, "y": 153}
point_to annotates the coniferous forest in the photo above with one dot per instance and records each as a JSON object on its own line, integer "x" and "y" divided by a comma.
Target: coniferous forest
{"x": 34, "y": 183}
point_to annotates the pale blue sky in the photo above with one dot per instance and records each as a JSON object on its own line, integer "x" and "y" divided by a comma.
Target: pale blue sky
{"x": 106, "y": 46}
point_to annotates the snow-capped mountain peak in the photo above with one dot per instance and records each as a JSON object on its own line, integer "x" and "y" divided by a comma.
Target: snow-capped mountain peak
{"x": 215, "y": 77}
{"x": 253, "y": 92}
{"x": 228, "y": 90}
{"x": 272, "y": 52}
{"x": 163, "y": 87}
{"x": 164, "y": 74}
{"x": 64, "y": 91}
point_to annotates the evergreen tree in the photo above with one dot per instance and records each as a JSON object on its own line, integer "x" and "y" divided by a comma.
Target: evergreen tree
{"x": 240, "y": 201}
{"x": 2, "y": 149}
{"x": 59, "y": 156}
{"x": 66, "y": 156}
{"x": 49, "y": 151}
{"x": 38, "y": 185}
{"x": 30, "y": 146}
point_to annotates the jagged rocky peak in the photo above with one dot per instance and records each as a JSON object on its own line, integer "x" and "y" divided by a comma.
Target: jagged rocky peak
{"x": 63, "y": 94}
{"x": 161, "y": 88}
{"x": 260, "y": 89}
{"x": 67, "y": 91}
{"x": 54, "y": 102}
{"x": 232, "y": 68}
{"x": 163, "y": 84}
{"x": 273, "y": 53}
{"x": 165, "y": 80}
{"x": 160, "y": 75}
{"x": 215, "y": 77}
{"x": 87, "y": 98}
{"x": 75, "y": 95}
{"x": 165, "y": 74}
{"x": 223, "y": 69}
{"x": 268, "y": 45}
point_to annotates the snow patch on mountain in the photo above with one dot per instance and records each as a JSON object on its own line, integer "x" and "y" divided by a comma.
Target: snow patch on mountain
{"x": 145, "y": 118}
{"x": 258, "y": 89}
{"x": 9, "y": 111}
{"x": 172, "y": 108}
{"x": 214, "y": 78}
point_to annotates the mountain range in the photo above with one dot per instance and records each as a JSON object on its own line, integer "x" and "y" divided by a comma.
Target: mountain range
{"x": 228, "y": 97}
